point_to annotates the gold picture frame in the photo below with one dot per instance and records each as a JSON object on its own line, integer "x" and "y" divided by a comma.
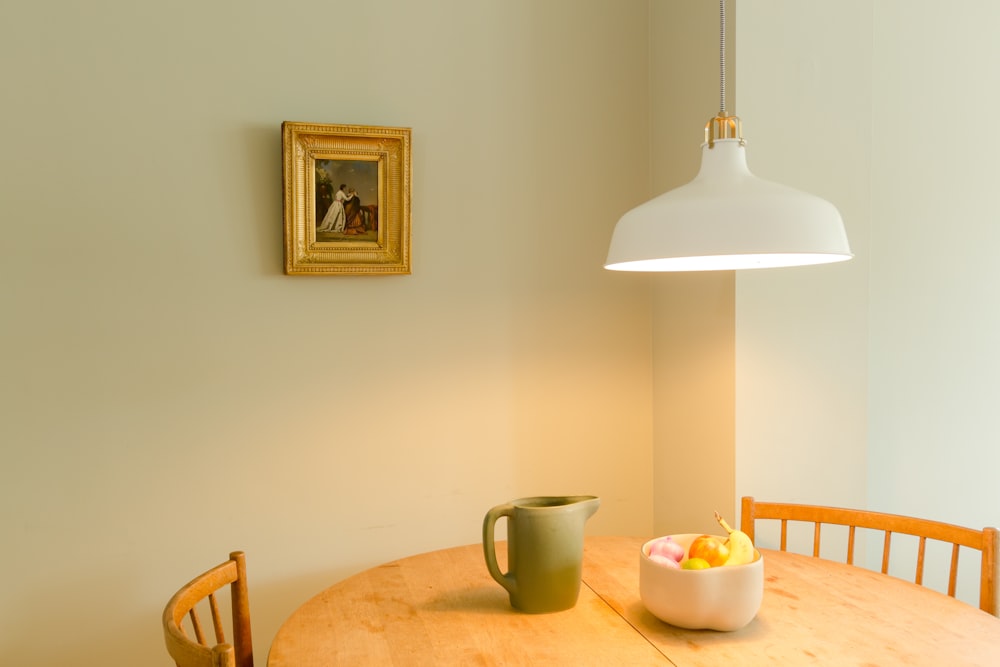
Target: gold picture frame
{"x": 346, "y": 199}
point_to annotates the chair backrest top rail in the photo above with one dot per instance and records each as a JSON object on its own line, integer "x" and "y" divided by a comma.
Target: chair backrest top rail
{"x": 894, "y": 523}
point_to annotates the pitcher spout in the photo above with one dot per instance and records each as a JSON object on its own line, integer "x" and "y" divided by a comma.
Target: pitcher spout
{"x": 591, "y": 505}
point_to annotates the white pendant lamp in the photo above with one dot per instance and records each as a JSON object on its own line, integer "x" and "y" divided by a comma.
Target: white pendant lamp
{"x": 727, "y": 218}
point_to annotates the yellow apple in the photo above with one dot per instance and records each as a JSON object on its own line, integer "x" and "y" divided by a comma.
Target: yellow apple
{"x": 709, "y": 548}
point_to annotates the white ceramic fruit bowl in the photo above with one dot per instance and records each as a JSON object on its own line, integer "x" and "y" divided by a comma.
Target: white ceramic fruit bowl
{"x": 719, "y": 598}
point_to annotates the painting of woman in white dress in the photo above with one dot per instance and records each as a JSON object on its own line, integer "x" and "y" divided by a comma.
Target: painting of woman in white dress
{"x": 334, "y": 219}
{"x": 346, "y": 200}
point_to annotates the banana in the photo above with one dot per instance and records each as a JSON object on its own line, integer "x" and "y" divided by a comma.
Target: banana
{"x": 740, "y": 545}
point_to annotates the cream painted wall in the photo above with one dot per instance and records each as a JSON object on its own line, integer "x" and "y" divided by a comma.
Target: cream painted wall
{"x": 935, "y": 281}
{"x": 885, "y": 364}
{"x": 170, "y": 396}
{"x": 802, "y": 333}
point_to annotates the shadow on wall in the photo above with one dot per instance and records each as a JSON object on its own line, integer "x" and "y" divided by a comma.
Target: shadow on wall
{"x": 260, "y": 163}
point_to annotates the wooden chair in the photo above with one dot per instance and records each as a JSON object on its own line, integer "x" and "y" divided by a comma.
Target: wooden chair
{"x": 197, "y": 652}
{"x": 985, "y": 540}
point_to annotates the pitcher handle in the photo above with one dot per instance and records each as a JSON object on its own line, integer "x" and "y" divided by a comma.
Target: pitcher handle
{"x": 489, "y": 545}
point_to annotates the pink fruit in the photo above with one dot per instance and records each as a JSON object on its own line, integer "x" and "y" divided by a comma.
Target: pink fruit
{"x": 664, "y": 560}
{"x": 667, "y": 547}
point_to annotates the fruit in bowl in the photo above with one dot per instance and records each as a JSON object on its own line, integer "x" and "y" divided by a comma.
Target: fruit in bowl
{"x": 667, "y": 548}
{"x": 709, "y": 548}
{"x": 696, "y": 592}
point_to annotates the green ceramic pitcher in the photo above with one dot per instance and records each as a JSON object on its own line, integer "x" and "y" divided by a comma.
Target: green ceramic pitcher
{"x": 544, "y": 550}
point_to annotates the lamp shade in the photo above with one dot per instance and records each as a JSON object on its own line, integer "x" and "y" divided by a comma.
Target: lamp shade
{"x": 727, "y": 218}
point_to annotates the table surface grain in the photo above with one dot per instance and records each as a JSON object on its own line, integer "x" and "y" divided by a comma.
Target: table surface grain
{"x": 443, "y": 608}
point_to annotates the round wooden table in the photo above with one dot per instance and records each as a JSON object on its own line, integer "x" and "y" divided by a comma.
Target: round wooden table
{"x": 443, "y": 608}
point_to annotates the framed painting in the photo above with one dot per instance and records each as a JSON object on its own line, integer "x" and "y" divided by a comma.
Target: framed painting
{"x": 346, "y": 199}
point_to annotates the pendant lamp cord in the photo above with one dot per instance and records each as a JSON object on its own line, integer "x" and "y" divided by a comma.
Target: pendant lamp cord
{"x": 723, "y": 126}
{"x": 722, "y": 57}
